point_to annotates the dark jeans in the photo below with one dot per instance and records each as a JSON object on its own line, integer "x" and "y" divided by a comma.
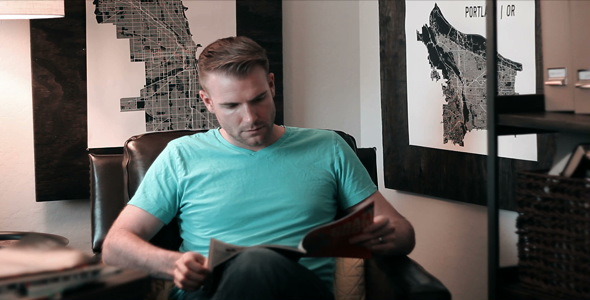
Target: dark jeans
{"x": 260, "y": 274}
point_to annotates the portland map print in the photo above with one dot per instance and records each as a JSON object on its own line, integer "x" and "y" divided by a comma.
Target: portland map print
{"x": 462, "y": 60}
{"x": 446, "y": 72}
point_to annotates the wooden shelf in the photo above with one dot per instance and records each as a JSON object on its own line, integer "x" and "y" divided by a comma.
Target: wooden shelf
{"x": 540, "y": 122}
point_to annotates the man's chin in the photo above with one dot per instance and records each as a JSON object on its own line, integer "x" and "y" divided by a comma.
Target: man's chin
{"x": 260, "y": 133}
{"x": 254, "y": 141}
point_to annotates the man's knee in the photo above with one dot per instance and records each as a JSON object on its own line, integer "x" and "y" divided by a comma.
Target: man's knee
{"x": 260, "y": 273}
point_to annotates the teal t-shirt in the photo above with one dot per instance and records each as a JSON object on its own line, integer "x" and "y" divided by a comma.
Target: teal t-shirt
{"x": 244, "y": 197}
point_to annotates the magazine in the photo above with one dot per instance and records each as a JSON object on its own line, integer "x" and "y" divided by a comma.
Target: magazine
{"x": 329, "y": 240}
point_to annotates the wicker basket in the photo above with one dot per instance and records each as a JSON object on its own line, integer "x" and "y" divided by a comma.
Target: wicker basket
{"x": 553, "y": 228}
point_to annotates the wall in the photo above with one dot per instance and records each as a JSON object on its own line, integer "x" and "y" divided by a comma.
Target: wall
{"x": 331, "y": 81}
{"x": 326, "y": 43}
{"x": 321, "y": 78}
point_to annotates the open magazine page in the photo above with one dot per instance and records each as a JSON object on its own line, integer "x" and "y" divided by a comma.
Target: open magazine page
{"x": 329, "y": 240}
{"x": 332, "y": 239}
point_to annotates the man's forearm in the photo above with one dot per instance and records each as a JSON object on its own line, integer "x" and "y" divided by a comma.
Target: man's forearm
{"x": 406, "y": 237}
{"x": 124, "y": 249}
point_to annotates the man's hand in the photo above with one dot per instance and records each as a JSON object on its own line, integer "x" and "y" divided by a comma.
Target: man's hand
{"x": 390, "y": 233}
{"x": 380, "y": 236}
{"x": 190, "y": 271}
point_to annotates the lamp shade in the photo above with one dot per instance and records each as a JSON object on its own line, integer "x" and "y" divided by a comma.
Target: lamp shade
{"x": 31, "y": 9}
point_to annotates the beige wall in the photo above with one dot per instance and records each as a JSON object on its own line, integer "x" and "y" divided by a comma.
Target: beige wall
{"x": 321, "y": 55}
{"x": 331, "y": 81}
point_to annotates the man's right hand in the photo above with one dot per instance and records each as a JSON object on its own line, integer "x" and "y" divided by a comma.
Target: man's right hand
{"x": 126, "y": 246}
{"x": 190, "y": 271}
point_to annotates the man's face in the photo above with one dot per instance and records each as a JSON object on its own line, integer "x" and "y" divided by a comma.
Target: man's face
{"x": 244, "y": 107}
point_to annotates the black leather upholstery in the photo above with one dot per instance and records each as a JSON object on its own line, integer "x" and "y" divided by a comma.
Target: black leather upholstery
{"x": 400, "y": 277}
{"x": 368, "y": 157}
{"x": 115, "y": 178}
{"x": 106, "y": 194}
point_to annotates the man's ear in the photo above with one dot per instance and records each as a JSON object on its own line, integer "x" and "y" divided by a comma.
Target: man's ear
{"x": 271, "y": 83}
{"x": 208, "y": 103}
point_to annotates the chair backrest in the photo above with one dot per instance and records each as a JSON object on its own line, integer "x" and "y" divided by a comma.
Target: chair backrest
{"x": 115, "y": 178}
{"x": 140, "y": 151}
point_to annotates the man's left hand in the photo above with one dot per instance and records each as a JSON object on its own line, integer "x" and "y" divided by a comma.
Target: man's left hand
{"x": 380, "y": 236}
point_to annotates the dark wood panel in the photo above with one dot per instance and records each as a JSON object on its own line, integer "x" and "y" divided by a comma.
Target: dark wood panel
{"x": 58, "y": 50}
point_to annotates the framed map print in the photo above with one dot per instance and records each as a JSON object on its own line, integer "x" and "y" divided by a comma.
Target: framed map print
{"x": 433, "y": 83}
{"x": 115, "y": 68}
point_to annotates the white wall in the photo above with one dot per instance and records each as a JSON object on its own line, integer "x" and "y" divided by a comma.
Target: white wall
{"x": 18, "y": 209}
{"x": 331, "y": 55}
{"x": 321, "y": 54}
{"x": 451, "y": 236}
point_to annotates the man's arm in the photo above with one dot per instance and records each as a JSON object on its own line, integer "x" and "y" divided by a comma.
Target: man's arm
{"x": 390, "y": 234}
{"x": 126, "y": 245}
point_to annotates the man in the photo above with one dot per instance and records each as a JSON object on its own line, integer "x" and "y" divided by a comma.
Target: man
{"x": 249, "y": 182}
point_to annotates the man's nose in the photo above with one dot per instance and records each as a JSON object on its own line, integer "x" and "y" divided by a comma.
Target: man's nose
{"x": 250, "y": 113}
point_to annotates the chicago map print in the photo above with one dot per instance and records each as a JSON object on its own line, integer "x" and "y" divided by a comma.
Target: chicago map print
{"x": 159, "y": 35}
{"x": 142, "y": 65}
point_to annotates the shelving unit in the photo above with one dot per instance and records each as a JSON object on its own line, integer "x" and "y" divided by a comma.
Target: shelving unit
{"x": 505, "y": 280}
{"x": 492, "y": 162}
{"x": 507, "y": 117}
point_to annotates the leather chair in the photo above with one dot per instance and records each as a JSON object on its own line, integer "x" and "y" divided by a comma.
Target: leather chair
{"x": 115, "y": 177}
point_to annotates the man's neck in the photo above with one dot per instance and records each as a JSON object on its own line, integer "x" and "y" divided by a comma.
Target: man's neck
{"x": 277, "y": 132}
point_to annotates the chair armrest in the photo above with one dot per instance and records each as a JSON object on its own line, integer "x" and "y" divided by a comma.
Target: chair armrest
{"x": 400, "y": 277}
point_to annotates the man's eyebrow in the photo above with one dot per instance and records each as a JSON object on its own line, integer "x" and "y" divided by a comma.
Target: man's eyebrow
{"x": 257, "y": 97}
{"x": 260, "y": 96}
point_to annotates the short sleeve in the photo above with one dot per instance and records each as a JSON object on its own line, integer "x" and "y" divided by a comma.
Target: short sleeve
{"x": 158, "y": 191}
{"x": 354, "y": 182}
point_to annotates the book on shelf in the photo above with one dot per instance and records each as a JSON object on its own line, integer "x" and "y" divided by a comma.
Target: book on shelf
{"x": 559, "y": 165}
{"x": 329, "y": 240}
{"x": 578, "y": 165}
